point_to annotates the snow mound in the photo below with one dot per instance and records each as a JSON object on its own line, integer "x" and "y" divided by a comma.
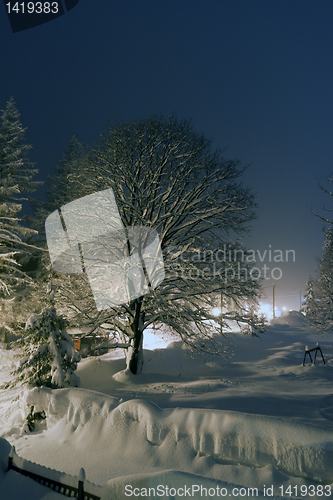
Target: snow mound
{"x": 239, "y": 438}
{"x": 294, "y": 319}
{"x": 79, "y": 405}
{"x": 173, "y": 485}
{"x": 259, "y": 419}
{"x": 226, "y": 437}
{"x": 8, "y": 359}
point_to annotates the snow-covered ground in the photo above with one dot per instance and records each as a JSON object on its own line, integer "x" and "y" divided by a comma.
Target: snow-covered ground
{"x": 260, "y": 420}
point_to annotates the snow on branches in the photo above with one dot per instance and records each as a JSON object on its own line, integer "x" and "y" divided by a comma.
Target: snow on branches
{"x": 318, "y": 305}
{"x": 166, "y": 177}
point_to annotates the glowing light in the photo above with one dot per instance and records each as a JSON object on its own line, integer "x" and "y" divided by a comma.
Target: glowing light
{"x": 216, "y": 311}
{"x": 266, "y": 310}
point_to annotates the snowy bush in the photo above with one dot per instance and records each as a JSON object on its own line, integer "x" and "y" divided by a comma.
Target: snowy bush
{"x": 50, "y": 358}
{"x": 34, "y": 417}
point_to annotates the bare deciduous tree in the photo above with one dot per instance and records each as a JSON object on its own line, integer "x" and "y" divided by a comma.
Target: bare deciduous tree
{"x": 166, "y": 177}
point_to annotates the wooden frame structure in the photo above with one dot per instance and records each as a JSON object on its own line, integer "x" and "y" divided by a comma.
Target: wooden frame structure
{"x": 315, "y": 350}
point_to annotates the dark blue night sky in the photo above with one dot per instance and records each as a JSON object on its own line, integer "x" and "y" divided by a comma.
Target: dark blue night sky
{"x": 255, "y": 76}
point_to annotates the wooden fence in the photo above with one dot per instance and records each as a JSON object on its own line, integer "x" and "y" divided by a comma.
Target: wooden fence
{"x": 46, "y": 477}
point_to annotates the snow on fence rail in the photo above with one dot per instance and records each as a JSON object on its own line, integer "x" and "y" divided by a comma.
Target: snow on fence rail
{"x": 60, "y": 482}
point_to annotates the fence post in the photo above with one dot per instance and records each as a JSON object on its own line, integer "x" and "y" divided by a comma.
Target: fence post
{"x": 82, "y": 476}
{"x": 10, "y": 458}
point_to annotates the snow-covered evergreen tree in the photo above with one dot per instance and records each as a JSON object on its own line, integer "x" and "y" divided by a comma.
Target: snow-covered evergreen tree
{"x": 62, "y": 186}
{"x": 310, "y": 304}
{"x": 15, "y": 166}
{"x": 322, "y": 289}
{"x": 50, "y": 358}
{"x": 323, "y": 316}
{"x": 165, "y": 176}
{"x": 16, "y": 173}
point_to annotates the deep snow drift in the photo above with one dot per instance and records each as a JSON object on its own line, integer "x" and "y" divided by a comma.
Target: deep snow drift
{"x": 260, "y": 420}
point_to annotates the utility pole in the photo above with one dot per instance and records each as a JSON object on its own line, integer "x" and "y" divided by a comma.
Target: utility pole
{"x": 273, "y": 301}
{"x": 300, "y": 299}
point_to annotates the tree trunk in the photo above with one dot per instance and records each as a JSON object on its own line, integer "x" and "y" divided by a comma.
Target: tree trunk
{"x": 134, "y": 358}
{"x": 135, "y": 354}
